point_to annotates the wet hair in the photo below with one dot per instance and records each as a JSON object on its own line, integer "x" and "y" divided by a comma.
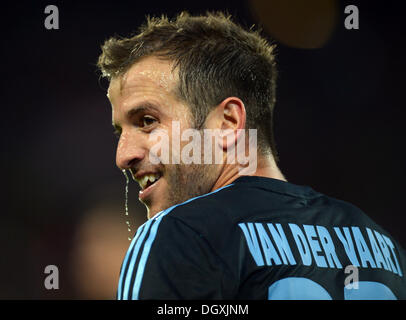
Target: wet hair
{"x": 215, "y": 58}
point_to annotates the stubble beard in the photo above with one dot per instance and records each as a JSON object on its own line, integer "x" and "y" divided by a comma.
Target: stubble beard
{"x": 189, "y": 181}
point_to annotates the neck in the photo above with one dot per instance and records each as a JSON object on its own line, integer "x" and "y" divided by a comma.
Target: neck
{"x": 266, "y": 167}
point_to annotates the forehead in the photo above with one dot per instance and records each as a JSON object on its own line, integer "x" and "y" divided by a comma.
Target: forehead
{"x": 148, "y": 74}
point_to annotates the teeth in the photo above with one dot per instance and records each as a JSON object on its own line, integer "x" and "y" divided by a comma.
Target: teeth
{"x": 148, "y": 177}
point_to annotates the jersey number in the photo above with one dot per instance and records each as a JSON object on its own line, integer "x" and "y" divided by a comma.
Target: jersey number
{"x": 306, "y": 289}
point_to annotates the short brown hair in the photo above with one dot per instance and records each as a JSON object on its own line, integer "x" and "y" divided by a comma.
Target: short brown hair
{"x": 216, "y": 59}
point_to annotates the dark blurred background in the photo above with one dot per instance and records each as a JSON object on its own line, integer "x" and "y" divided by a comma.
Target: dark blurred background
{"x": 339, "y": 127}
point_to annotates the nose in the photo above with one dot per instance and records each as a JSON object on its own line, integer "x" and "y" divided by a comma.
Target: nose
{"x": 129, "y": 152}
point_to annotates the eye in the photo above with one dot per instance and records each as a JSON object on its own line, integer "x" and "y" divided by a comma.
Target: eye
{"x": 147, "y": 121}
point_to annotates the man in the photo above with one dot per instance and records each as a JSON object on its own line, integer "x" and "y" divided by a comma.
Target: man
{"x": 220, "y": 228}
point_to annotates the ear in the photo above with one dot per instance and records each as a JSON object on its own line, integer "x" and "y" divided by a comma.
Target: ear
{"x": 232, "y": 118}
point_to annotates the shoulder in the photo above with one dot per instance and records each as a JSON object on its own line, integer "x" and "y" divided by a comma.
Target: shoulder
{"x": 345, "y": 212}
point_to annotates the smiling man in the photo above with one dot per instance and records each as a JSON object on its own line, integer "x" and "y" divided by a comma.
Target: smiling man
{"x": 216, "y": 231}
{"x": 144, "y": 102}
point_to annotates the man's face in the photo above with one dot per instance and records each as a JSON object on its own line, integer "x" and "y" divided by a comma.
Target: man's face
{"x": 143, "y": 105}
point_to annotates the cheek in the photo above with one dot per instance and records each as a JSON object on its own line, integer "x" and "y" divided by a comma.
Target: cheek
{"x": 158, "y": 145}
